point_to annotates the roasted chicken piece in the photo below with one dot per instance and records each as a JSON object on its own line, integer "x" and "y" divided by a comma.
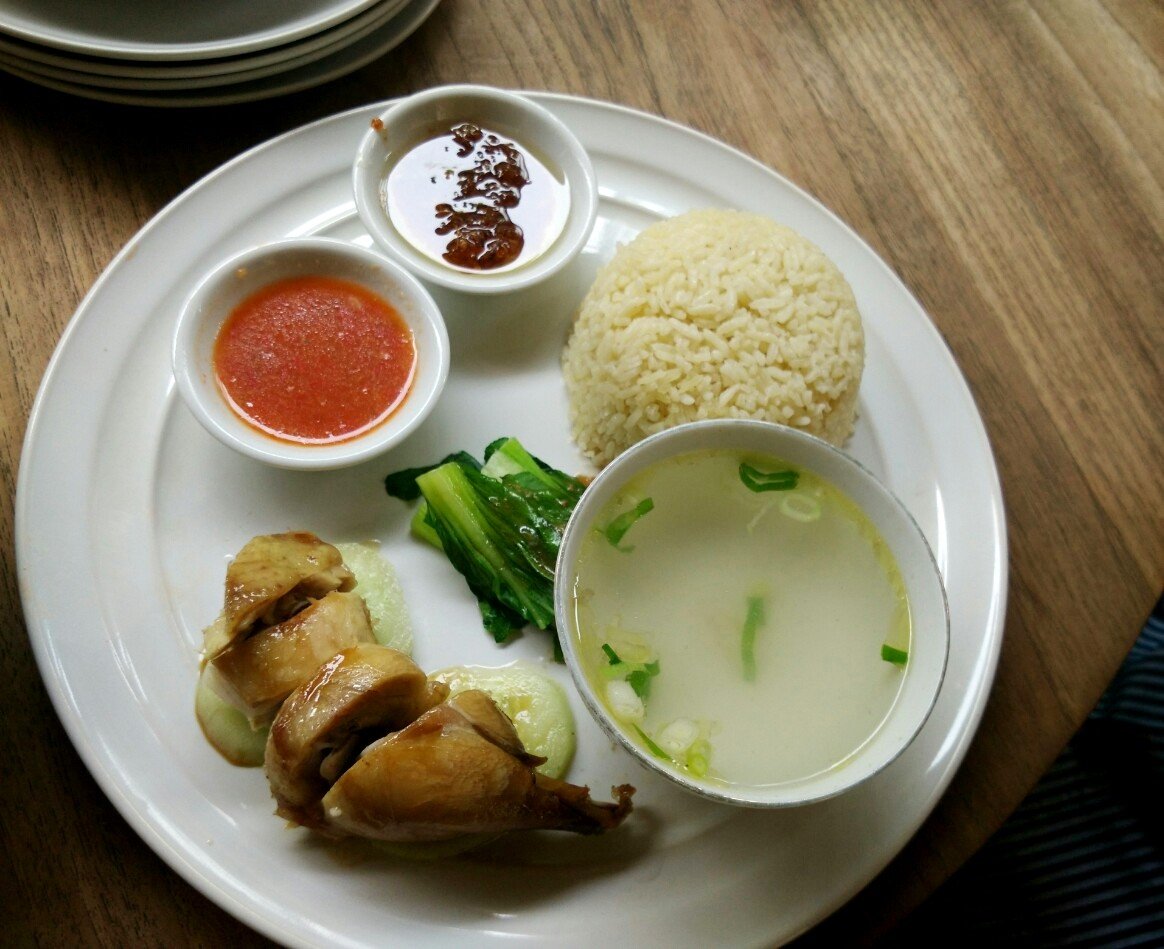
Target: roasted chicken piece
{"x": 459, "y": 769}
{"x": 270, "y": 579}
{"x": 257, "y": 673}
{"x": 317, "y": 733}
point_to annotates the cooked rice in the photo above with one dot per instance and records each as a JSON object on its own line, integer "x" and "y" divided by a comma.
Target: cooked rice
{"x": 713, "y": 314}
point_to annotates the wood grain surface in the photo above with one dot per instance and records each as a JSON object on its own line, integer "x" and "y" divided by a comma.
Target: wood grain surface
{"x": 1005, "y": 158}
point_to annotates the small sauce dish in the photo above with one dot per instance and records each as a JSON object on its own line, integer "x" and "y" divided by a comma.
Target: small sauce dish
{"x": 750, "y": 613}
{"x": 310, "y": 353}
{"x": 475, "y": 189}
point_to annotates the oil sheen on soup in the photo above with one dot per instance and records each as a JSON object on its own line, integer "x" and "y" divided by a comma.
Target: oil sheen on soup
{"x": 741, "y": 620}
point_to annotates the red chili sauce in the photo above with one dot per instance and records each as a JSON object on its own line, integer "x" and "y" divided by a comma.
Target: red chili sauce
{"x": 314, "y": 360}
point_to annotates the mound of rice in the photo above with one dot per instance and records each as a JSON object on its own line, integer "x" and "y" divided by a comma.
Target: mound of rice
{"x": 713, "y": 314}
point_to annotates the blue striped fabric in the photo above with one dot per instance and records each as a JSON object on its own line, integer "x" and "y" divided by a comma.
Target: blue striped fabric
{"x": 1081, "y": 863}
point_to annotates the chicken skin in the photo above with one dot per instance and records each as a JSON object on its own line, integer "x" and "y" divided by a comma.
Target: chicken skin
{"x": 257, "y": 673}
{"x": 459, "y": 769}
{"x": 316, "y": 734}
{"x": 270, "y": 579}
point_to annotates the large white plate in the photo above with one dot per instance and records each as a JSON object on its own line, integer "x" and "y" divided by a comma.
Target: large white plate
{"x": 127, "y": 511}
{"x": 347, "y": 58}
{"x": 162, "y": 29}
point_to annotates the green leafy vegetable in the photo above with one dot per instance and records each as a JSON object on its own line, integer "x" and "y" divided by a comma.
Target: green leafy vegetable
{"x": 892, "y": 654}
{"x": 616, "y": 529}
{"x": 756, "y": 480}
{"x": 499, "y": 523}
{"x": 752, "y": 623}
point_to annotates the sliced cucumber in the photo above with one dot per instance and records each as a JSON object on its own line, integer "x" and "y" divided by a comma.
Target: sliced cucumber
{"x": 227, "y": 729}
{"x": 535, "y": 703}
{"x": 376, "y": 582}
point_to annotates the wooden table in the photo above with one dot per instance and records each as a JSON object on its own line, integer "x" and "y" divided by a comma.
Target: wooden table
{"x": 1006, "y": 158}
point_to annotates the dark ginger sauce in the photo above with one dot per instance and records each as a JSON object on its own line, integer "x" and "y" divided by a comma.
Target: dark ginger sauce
{"x": 314, "y": 360}
{"x": 484, "y": 237}
{"x": 471, "y": 182}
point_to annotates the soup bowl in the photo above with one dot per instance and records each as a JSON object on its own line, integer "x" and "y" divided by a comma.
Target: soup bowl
{"x": 791, "y": 596}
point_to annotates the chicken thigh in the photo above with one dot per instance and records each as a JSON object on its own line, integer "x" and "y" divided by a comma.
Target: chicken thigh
{"x": 459, "y": 769}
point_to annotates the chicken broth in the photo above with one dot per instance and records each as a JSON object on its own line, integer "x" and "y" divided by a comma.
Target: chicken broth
{"x": 740, "y": 619}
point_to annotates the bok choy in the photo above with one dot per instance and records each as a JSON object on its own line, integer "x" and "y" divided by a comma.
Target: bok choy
{"x": 500, "y": 524}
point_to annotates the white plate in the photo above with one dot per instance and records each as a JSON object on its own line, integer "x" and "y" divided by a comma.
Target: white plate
{"x": 75, "y": 67}
{"x": 126, "y": 513}
{"x": 246, "y": 69}
{"x": 163, "y": 29}
{"x": 348, "y": 58}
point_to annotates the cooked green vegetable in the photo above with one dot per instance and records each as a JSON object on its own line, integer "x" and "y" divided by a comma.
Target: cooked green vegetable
{"x": 756, "y": 480}
{"x": 500, "y": 524}
{"x": 228, "y": 729}
{"x": 617, "y": 528}
{"x": 376, "y": 582}
{"x": 534, "y": 702}
{"x": 892, "y": 654}
{"x": 752, "y": 623}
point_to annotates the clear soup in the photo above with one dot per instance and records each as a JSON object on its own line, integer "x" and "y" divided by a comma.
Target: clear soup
{"x": 748, "y": 635}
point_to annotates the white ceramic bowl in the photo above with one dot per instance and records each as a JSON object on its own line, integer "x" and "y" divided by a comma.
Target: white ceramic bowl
{"x": 929, "y": 647}
{"x": 433, "y": 112}
{"x": 222, "y": 290}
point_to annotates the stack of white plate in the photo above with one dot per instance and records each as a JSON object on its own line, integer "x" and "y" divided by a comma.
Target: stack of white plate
{"x": 210, "y": 52}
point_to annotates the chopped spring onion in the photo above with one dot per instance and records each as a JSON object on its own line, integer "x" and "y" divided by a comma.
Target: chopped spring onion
{"x": 752, "y": 623}
{"x": 698, "y": 759}
{"x": 800, "y": 506}
{"x": 756, "y": 480}
{"x": 624, "y": 703}
{"x": 637, "y": 674}
{"x": 892, "y": 654}
{"x": 677, "y": 736}
{"x": 651, "y": 746}
{"x": 616, "y": 529}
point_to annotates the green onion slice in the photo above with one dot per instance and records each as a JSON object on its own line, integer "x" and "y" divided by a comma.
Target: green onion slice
{"x": 752, "y": 623}
{"x": 611, "y": 655}
{"x": 756, "y": 480}
{"x": 892, "y": 654}
{"x": 651, "y": 746}
{"x": 616, "y": 529}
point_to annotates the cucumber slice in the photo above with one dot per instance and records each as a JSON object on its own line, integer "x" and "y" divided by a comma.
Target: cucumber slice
{"x": 227, "y": 729}
{"x": 535, "y": 703}
{"x": 376, "y": 582}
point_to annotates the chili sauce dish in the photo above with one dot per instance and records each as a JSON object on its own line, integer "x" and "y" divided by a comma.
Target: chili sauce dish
{"x": 310, "y": 353}
{"x": 475, "y": 189}
{"x": 750, "y": 613}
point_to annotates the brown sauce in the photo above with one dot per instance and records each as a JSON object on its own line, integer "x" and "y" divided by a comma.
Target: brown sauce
{"x": 475, "y": 200}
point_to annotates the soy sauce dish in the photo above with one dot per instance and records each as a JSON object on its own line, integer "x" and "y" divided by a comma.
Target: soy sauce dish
{"x": 310, "y": 353}
{"x": 751, "y": 613}
{"x": 475, "y": 189}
